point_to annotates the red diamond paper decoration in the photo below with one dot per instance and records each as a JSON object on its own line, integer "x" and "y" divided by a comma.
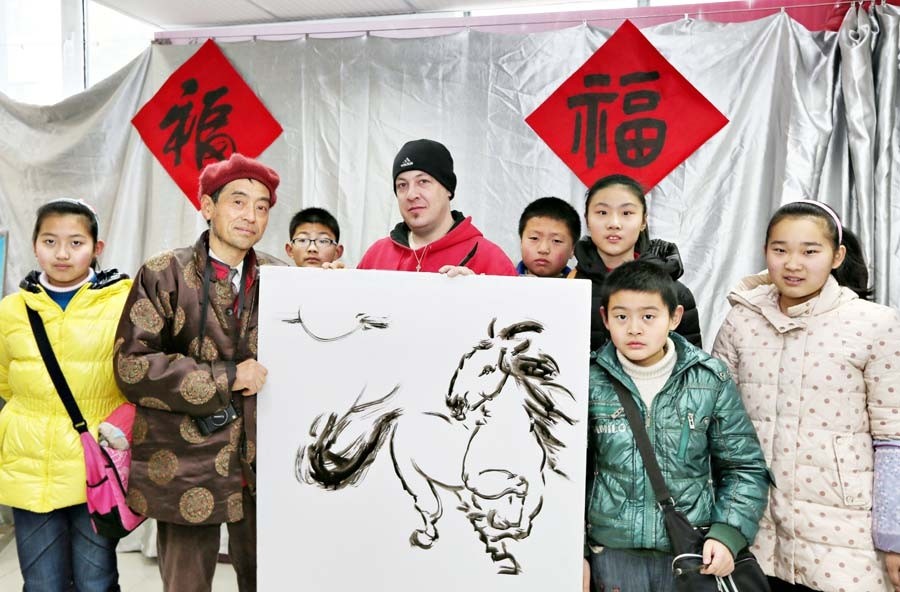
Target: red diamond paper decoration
{"x": 627, "y": 110}
{"x": 203, "y": 113}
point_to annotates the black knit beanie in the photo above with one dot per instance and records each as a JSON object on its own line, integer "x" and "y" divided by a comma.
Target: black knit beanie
{"x": 427, "y": 156}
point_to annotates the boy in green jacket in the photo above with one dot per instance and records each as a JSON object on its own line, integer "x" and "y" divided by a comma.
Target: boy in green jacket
{"x": 706, "y": 446}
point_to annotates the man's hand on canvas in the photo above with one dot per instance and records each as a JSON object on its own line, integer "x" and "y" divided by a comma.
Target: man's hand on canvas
{"x": 249, "y": 377}
{"x": 455, "y": 270}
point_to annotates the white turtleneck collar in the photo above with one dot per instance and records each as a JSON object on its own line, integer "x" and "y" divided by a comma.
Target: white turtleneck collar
{"x": 650, "y": 379}
{"x": 45, "y": 281}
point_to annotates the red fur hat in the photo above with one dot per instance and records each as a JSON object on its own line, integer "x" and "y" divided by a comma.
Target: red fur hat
{"x": 218, "y": 174}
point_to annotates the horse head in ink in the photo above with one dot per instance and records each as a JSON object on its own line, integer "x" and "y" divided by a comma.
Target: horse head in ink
{"x": 498, "y": 475}
{"x": 482, "y": 373}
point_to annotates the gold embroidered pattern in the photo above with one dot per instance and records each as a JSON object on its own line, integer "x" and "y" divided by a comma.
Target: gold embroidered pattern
{"x": 136, "y": 500}
{"x": 162, "y": 466}
{"x": 210, "y": 351}
{"x": 235, "y": 507}
{"x": 189, "y": 431}
{"x": 197, "y": 387}
{"x": 165, "y": 303}
{"x": 196, "y": 504}
{"x": 179, "y": 321}
{"x": 160, "y": 261}
{"x": 223, "y": 460}
{"x": 144, "y": 316}
{"x": 252, "y": 340}
{"x": 132, "y": 369}
{"x": 191, "y": 277}
{"x": 222, "y": 381}
{"x": 234, "y": 434}
{"x": 139, "y": 430}
{"x": 153, "y": 403}
{"x": 224, "y": 293}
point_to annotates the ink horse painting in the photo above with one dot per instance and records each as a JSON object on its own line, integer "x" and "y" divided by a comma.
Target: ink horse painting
{"x": 431, "y": 439}
{"x": 499, "y": 376}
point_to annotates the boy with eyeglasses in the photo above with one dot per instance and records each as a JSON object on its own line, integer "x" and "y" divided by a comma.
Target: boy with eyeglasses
{"x": 314, "y": 238}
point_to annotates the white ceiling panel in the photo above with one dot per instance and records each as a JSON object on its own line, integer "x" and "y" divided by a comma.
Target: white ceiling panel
{"x": 292, "y": 10}
{"x": 457, "y": 5}
{"x": 176, "y": 14}
{"x": 167, "y": 14}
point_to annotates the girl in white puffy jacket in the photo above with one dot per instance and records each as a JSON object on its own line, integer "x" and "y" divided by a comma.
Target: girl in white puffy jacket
{"x": 818, "y": 367}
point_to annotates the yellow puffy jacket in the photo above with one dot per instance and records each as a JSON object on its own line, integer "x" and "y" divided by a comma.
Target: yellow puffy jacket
{"x": 41, "y": 459}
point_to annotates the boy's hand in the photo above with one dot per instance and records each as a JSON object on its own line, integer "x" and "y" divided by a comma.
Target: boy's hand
{"x": 249, "y": 377}
{"x": 892, "y": 563}
{"x": 455, "y": 270}
{"x": 586, "y": 578}
{"x": 717, "y": 559}
{"x": 333, "y": 265}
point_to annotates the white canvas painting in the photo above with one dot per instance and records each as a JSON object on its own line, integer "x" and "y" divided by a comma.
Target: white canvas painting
{"x": 421, "y": 432}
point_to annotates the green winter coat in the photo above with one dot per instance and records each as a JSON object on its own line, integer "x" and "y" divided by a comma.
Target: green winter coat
{"x": 706, "y": 446}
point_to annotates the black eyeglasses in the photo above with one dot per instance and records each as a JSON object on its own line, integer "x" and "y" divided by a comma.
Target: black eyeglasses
{"x": 320, "y": 242}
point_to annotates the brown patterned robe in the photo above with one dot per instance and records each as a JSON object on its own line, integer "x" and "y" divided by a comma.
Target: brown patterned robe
{"x": 177, "y": 474}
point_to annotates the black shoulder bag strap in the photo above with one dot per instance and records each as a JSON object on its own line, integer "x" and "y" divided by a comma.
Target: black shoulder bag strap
{"x": 56, "y": 374}
{"x": 683, "y": 536}
{"x": 642, "y": 440}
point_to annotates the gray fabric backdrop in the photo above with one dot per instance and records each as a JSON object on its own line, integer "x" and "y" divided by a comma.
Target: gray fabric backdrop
{"x": 813, "y": 114}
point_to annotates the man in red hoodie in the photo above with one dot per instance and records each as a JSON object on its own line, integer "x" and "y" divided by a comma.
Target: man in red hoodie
{"x": 432, "y": 237}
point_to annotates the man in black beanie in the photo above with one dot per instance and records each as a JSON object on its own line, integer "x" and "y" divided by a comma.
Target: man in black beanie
{"x": 432, "y": 236}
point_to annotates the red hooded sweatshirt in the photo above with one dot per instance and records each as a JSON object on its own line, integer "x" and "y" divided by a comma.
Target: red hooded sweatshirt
{"x": 393, "y": 252}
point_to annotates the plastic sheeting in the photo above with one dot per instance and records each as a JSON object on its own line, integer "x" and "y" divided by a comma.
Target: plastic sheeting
{"x": 813, "y": 114}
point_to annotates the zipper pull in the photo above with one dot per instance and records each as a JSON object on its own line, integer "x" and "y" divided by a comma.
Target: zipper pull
{"x": 618, "y": 413}
{"x": 691, "y": 420}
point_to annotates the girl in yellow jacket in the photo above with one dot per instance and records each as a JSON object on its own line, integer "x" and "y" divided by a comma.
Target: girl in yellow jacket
{"x": 42, "y": 474}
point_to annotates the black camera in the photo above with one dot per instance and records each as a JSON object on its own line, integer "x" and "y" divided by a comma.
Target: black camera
{"x": 218, "y": 420}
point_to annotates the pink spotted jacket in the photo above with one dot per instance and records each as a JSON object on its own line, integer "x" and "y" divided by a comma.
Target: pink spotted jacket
{"x": 821, "y": 385}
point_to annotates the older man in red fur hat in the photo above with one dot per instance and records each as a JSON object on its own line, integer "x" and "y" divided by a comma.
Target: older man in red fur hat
{"x": 186, "y": 356}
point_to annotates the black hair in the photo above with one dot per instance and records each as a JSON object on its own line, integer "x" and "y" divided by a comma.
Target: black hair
{"x": 316, "y": 216}
{"x": 853, "y": 272}
{"x": 640, "y": 275}
{"x": 214, "y": 196}
{"x": 555, "y": 209}
{"x": 65, "y": 206}
{"x": 624, "y": 180}
{"x": 632, "y": 186}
